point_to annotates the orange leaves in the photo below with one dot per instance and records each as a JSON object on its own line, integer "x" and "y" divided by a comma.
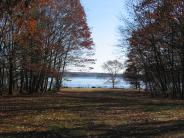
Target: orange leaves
{"x": 32, "y": 24}
{"x": 133, "y": 42}
{"x": 86, "y": 43}
{"x": 20, "y": 22}
{"x": 43, "y": 1}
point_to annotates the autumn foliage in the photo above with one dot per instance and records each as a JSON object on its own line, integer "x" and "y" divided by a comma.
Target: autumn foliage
{"x": 38, "y": 39}
{"x": 157, "y": 46}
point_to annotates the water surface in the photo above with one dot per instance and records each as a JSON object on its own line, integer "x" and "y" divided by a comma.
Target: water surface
{"x": 96, "y": 82}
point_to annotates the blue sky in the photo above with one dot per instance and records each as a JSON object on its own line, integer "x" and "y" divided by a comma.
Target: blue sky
{"x": 104, "y": 19}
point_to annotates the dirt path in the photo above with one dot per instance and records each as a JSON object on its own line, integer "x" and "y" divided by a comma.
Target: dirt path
{"x": 92, "y": 113}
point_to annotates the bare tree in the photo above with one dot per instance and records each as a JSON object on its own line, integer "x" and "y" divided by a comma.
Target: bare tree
{"x": 113, "y": 68}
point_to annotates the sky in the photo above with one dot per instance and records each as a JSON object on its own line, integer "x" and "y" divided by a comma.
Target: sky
{"x": 103, "y": 18}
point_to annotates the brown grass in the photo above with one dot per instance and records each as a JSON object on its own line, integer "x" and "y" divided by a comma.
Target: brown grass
{"x": 98, "y": 113}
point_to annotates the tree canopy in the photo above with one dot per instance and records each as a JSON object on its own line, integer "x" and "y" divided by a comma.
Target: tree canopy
{"x": 38, "y": 39}
{"x": 157, "y": 46}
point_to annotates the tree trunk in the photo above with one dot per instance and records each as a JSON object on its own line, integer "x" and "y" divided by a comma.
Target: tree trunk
{"x": 10, "y": 76}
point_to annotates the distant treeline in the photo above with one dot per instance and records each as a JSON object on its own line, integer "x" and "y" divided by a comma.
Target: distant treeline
{"x": 87, "y": 74}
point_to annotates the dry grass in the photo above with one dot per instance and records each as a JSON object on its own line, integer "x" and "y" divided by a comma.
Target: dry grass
{"x": 98, "y": 113}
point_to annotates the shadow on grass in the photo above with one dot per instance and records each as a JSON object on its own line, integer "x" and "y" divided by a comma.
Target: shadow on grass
{"x": 92, "y": 104}
{"x": 147, "y": 129}
{"x": 88, "y": 101}
{"x": 137, "y": 130}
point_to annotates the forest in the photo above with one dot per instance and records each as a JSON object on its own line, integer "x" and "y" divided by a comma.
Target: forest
{"x": 156, "y": 47}
{"x": 38, "y": 39}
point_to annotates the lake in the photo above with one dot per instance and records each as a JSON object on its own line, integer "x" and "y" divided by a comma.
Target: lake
{"x": 89, "y": 82}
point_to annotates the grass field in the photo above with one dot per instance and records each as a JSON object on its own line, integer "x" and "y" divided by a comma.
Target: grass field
{"x": 91, "y": 113}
